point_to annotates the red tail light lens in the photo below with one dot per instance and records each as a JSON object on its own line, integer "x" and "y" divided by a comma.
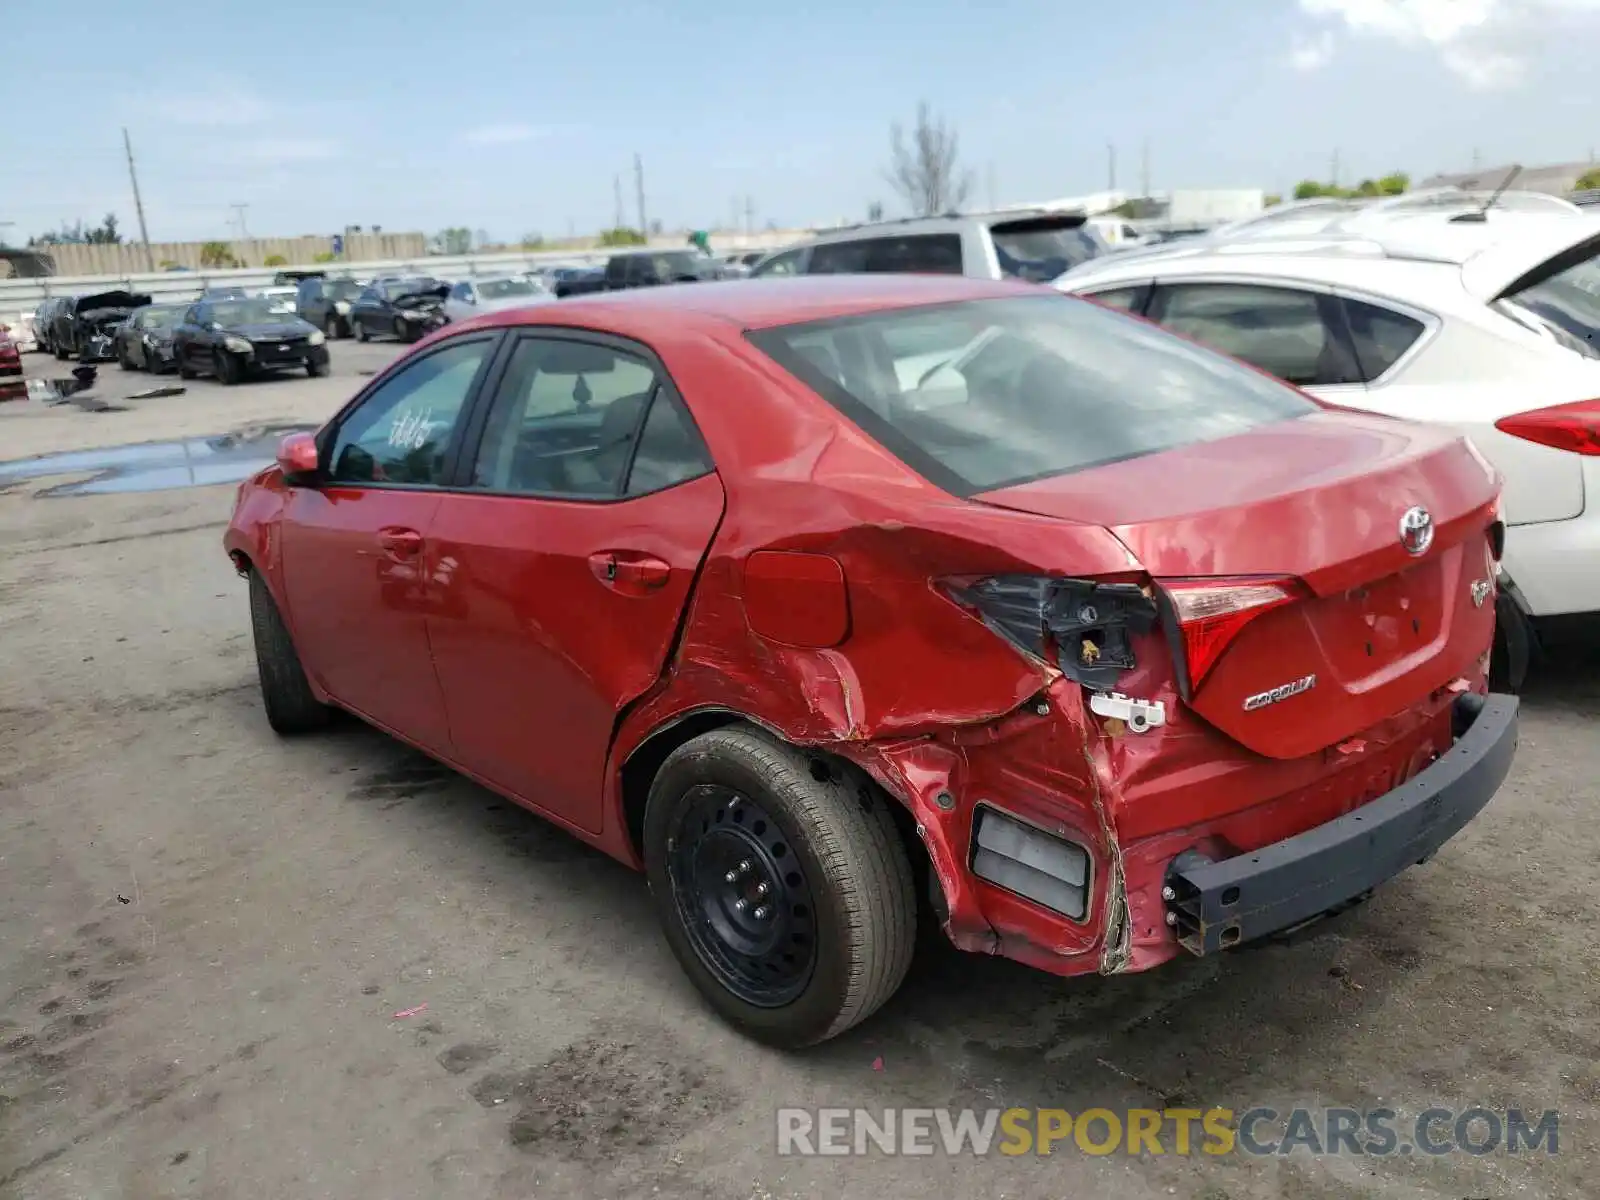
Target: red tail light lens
{"x": 1574, "y": 427}
{"x": 1211, "y": 613}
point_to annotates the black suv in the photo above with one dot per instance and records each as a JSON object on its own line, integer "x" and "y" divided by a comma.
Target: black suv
{"x": 326, "y": 304}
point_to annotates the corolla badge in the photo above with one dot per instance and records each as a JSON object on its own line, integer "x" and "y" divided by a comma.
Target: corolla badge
{"x": 1282, "y": 692}
{"x": 1416, "y": 530}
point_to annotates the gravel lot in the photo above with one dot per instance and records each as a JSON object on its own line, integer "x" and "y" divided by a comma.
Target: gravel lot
{"x": 206, "y": 933}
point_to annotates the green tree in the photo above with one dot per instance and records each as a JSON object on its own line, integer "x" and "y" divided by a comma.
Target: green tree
{"x": 218, "y": 254}
{"x": 1590, "y": 179}
{"x": 1396, "y": 183}
{"x": 1310, "y": 189}
{"x": 323, "y": 256}
{"x": 274, "y": 260}
{"x": 532, "y": 241}
{"x": 104, "y": 234}
{"x": 455, "y": 240}
{"x": 875, "y": 211}
{"x": 1272, "y": 200}
{"x": 621, "y": 236}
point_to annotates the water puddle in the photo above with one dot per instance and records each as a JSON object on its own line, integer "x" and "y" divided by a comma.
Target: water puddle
{"x": 154, "y": 466}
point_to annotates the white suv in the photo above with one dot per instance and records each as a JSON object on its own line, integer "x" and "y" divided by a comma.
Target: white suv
{"x": 1023, "y": 244}
{"x": 1492, "y": 326}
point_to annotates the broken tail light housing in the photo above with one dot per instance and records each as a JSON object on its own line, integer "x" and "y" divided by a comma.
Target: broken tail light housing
{"x": 1211, "y": 613}
{"x": 1084, "y": 626}
{"x": 1574, "y": 427}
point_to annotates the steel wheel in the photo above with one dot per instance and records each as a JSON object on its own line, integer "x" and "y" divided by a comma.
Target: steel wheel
{"x": 744, "y": 901}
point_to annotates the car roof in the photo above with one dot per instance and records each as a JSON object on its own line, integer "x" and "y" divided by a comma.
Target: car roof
{"x": 756, "y": 303}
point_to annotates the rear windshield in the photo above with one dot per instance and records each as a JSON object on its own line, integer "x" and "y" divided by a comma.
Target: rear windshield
{"x": 396, "y": 288}
{"x": 161, "y": 318}
{"x": 341, "y": 289}
{"x": 500, "y": 289}
{"x": 249, "y": 312}
{"x": 989, "y": 393}
{"x": 1567, "y": 304}
{"x": 1039, "y": 249}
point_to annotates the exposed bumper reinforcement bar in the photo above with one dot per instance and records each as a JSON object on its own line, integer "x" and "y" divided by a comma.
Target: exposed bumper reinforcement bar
{"x": 1217, "y": 905}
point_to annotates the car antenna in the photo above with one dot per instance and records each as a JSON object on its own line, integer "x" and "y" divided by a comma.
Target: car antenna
{"x": 1478, "y": 216}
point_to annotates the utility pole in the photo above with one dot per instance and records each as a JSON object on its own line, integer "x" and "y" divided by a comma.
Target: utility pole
{"x": 749, "y": 214}
{"x": 638, "y": 183}
{"x": 1144, "y": 169}
{"x": 989, "y": 182}
{"x": 1333, "y": 170}
{"x": 138, "y": 205}
{"x": 1111, "y": 167}
{"x": 1475, "y": 158}
{"x": 616, "y": 186}
{"x": 239, "y": 210}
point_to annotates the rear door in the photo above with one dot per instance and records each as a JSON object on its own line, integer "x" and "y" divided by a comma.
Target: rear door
{"x": 565, "y": 563}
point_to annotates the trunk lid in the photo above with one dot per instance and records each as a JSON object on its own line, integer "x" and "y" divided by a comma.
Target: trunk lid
{"x": 1373, "y": 626}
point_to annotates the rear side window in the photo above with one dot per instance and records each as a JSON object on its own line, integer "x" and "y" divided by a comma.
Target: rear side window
{"x": 1128, "y": 299}
{"x": 1380, "y": 335}
{"x": 1289, "y": 333}
{"x": 1041, "y": 248}
{"x": 787, "y": 263}
{"x": 1567, "y": 304}
{"x": 990, "y": 393}
{"x": 916, "y": 254}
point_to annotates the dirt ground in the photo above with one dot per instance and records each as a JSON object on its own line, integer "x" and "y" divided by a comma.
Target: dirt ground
{"x": 206, "y": 934}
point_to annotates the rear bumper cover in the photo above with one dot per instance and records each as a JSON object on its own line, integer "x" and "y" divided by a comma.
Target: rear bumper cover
{"x": 1217, "y": 905}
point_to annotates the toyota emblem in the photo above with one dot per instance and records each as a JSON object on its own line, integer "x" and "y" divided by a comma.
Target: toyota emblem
{"x": 1416, "y": 530}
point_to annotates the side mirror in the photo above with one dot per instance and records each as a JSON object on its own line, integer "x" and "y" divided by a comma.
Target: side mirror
{"x": 298, "y": 458}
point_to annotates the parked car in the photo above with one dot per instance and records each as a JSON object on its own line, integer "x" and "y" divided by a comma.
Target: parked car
{"x": 739, "y": 264}
{"x": 145, "y": 341}
{"x": 20, "y": 329}
{"x": 224, "y": 293}
{"x": 85, "y": 327}
{"x": 283, "y": 297}
{"x": 44, "y": 318}
{"x": 1023, "y": 244}
{"x": 1161, "y": 655}
{"x": 643, "y": 268}
{"x": 491, "y": 293}
{"x": 1493, "y": 329}
{"x": 234, "y": 339}
{"x": 326, "y": 304}
{"x": 10, "y": 355}
{"x": 553, "y": 277}
{"x": 407, "y": 309}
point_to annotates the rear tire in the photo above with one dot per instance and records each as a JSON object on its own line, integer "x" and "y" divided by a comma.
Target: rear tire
{"x": 1513, "y": 647}
{"x": 815, "y": 845}
{"x": 360, "y": 329}
{"x": 402, "y": 331}
{"x": 316, "y": 370}
{"x": 330, "y": 328}
{"x": 229, "y": 370}
{"x": 285, "y": 694}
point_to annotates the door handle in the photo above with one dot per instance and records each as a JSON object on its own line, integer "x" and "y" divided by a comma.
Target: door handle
{"x": 400, "y": 543}
{"x": 629, "y": 571}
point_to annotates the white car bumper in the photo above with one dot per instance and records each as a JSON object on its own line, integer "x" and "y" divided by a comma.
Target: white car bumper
{"x": 1555, "y": 565}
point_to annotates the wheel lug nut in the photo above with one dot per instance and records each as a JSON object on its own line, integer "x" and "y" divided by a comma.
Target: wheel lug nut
{"x": 762, "y": 889}
{"x": 762, "y": 913}
{"x": 1172, "y": 918}
{"x": 741, "y": 904}
{"x": 730, "y": 877}
{"x": 744, "y": 866}
{"x": 1168, "y": 894}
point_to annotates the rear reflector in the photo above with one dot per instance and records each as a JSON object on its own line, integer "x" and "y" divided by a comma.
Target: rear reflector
{"x": 1211, "y": 613}
{"x": 1031, "y": 863}
{"x": 1574, "y": 427}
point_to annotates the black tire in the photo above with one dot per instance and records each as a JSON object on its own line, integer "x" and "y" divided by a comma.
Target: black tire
{"x": 60, "y": 352}
{"x": 228, "y": 369}
{"x": 834, "y": 836}
{"x": 291, "y": 707}
{"x": 185, "y": 371}
{"x": 1513, "y": 647}
{"x": 124, "y": 361}
{"x": 330, "y": 327}
{"x": 316, "y": 369}
{"x": 359, "y": 328}
{"x": 402, "y": 330}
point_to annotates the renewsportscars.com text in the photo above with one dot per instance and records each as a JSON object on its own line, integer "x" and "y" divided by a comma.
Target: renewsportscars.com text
{"x": 1258, "y": 1131}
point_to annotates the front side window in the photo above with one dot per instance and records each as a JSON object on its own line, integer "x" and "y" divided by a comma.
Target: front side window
{"x": 990, "y": 393}
{"x": 839, "y": 258}
{"x": 787, "y": 263}
{"x": 505, "y": 289}
{"x": 564, "y": 420}
{"x": 1281, "y": 330}
{"x": 401, "y": 431}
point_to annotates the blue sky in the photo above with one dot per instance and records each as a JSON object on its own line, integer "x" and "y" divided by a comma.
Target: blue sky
{"x": 515, "y": 116}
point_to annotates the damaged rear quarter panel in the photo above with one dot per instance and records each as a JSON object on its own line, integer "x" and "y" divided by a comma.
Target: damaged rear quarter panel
{"x": 921, "y": 694}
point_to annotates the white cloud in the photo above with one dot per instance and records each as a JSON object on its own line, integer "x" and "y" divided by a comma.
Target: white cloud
{"x": 501, "y": 135}
{"x": 1487, "y": 43}
{"x": 1312, "y": 54}
{"x": 220, "y": 105}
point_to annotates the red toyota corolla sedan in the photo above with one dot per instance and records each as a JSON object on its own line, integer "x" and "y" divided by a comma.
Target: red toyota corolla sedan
{"x": 809, "y": 596}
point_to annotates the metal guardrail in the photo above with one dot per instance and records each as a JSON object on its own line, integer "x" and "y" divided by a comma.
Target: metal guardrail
{"x": 19, "y": 296}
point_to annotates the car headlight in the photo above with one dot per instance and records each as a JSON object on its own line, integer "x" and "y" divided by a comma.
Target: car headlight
{"x": 238, "y": 345}
{"x": 341, "y": 306}
{"x": 317, "y": 337}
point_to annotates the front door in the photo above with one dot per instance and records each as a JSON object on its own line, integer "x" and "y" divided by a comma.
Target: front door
{"x": 356, "y": 555}
{"x": 564, "y": 566}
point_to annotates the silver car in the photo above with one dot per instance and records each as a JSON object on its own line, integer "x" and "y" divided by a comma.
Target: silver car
{"x": 491, "y": 293}
{"x": 1030, "y": 244}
